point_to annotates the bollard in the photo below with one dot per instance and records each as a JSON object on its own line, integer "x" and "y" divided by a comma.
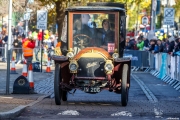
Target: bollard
{"x": 48, "y": 69}
{"x": 24, "y": 71}
{"x": 30, "y": 79}
{"x": 13, "y": 69}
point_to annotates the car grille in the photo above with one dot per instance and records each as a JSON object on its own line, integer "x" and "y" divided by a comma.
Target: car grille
{"x": 91, "y": 67}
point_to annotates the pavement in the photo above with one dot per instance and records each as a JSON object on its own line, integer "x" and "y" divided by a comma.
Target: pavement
{"x": 11, "y": 105}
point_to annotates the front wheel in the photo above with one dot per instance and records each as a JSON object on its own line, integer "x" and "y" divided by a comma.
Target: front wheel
{"x": 57, "y": 87}
{"x": 124, "y": 88}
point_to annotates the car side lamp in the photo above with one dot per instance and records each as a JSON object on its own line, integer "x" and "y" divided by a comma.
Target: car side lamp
{"x": 73, "y": 66}
{"x": 70, "y": 53}
{"x": 115, "y": 54}
{"x": 109, "y": 67}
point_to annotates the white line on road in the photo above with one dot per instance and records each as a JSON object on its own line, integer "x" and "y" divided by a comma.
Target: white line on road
{"x": 122, "y": 113}
{"x": 145, "y": 89}
{"x": 69, "y": 112}
{"x": 151, "y": 97}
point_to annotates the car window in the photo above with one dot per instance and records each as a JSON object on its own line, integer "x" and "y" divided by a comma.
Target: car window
{"x": 94, "y": 30}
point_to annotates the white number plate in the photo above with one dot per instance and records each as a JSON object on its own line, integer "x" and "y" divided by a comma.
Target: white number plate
{"x": 92, "y": 89}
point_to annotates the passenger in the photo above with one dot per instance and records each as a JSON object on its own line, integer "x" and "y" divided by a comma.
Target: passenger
{"x": 105, "y": 35}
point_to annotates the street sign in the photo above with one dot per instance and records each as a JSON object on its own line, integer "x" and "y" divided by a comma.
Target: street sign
{"x": 27, "y": 16}
{"x": 42, "y": 19}
{"x": 168, "y": 16}
{"x": 145, "y": 20}
{"x": 30, "y": 1}
{"x": 154, "y": 5}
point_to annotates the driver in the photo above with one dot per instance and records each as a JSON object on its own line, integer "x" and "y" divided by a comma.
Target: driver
{"x": 81, "y": 28}
{"x": 81, "y": 24}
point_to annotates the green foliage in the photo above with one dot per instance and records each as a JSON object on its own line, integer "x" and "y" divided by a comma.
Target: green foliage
{"x": 60, "y": 5}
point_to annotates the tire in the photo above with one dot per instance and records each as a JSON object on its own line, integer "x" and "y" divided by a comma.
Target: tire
{"x": 124, "y": 88}
{"x": 57, "y": 81}
{"x": 64, "y": 95}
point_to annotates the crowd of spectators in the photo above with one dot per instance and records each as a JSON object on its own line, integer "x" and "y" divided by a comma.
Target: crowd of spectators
{"x": 170, "y": 45}
{"x": 18, "y": 36}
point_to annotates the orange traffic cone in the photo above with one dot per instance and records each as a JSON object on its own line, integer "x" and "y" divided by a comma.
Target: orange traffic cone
{"x": 13, "y": 69}
{"x": 48, "y": 69}
{"x": 24, "y": 71}
{"x": 30, "y": 78}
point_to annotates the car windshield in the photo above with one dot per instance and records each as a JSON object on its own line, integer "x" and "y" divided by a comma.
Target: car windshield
{"x": 94, "y": 30}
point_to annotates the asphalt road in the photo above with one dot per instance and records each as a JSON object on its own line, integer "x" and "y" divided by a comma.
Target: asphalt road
{"x": 149, "y": 99}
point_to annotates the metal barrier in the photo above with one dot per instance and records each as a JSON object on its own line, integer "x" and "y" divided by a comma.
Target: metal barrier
{"x": 167, "y": 68}
{"x": 161, "y": 65}
{"x": 139, "y": 59}
{"x": 151, "y": 61}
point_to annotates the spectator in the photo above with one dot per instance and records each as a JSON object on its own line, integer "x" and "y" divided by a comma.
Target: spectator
{"x": 165, "y": 45}
{"x": 1, "y": 44}
{"x": 28, "y": 46}
{"x": 176, "y": 50}
{"x": 146, "y": 42}
{"x": 18, "y": 49}
{"x": 140, "y": 44}
{"x": 159, "y": 46}
{"x": 37, "y": 45}
{"x": 130, "y": 43}
{"x": 171, "y": 45}
{"x": 152, "y": 44}
{"x": 177, "y": 45}
{"x": 19, "y": 29}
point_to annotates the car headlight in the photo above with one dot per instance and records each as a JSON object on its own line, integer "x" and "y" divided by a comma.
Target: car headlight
{"x": 70, "y": 55}
{"x": 73, "y": 66}
{"x": 108, "y": 66}
{"x": 115, "y": 55}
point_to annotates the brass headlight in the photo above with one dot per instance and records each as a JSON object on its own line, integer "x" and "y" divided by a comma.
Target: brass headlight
{"x": 108, "y": 66}
{"x": 115, "y": 55}
{"x": 73, "y": 66}
{"x": 70, "y": 55}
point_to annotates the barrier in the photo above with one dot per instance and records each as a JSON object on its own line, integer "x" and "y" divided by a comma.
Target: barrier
{"x": 20, "y": 56}
{"x": 167, "y": 68}
{"x": 139, "y": 59}
{"x": 161, "y": 65}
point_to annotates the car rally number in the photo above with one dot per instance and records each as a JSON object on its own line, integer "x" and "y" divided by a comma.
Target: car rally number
{"x": 92, "y": 89}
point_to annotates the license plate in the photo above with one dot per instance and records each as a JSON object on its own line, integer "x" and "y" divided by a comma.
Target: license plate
{"x": 92, "y": 89}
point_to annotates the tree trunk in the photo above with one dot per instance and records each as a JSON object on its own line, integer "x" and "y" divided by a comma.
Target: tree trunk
{"x": 60, "y": 10}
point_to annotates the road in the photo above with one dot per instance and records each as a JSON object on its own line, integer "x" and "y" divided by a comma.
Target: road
{"x": 149, "y": 99}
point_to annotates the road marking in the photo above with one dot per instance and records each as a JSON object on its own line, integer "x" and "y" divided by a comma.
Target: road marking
{"x": 158, "y": 113}
{"x": 122, "y": 113}
{"x": 145, "y": 89}
{"x": 151, "y": 97}
{"x": 69, "y": 112}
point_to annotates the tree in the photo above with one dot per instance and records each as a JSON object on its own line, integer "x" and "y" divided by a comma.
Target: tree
{"x": 59, "y": 6}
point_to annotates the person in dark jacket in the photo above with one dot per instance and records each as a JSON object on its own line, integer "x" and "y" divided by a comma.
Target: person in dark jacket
{"x": 153, "y": 46}
{"x": 177, "y": 45}
{"x": 166, "y": 45}
{"x": 130, "y": 43}
{"x": 176, "y": 50}
{"x": 105, "y": 35}
{"x": 171, "y": 45}
{"x": 159, "y": 47}
{"x": 146, "y": 42}
{"x": 18, "y": 49}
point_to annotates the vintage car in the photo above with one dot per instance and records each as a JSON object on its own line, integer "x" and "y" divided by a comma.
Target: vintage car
{"x": 92, "y": 58}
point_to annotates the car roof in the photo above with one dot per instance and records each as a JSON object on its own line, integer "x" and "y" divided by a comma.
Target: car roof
{"x": 94, "y": 8}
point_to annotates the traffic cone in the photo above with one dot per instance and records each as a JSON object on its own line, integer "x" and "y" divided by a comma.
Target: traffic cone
{"x": 13, "y": 69}
{"x": 30, "y": 78}
{"x": 48, "y": 69}
{"x": 24, "y": 71}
